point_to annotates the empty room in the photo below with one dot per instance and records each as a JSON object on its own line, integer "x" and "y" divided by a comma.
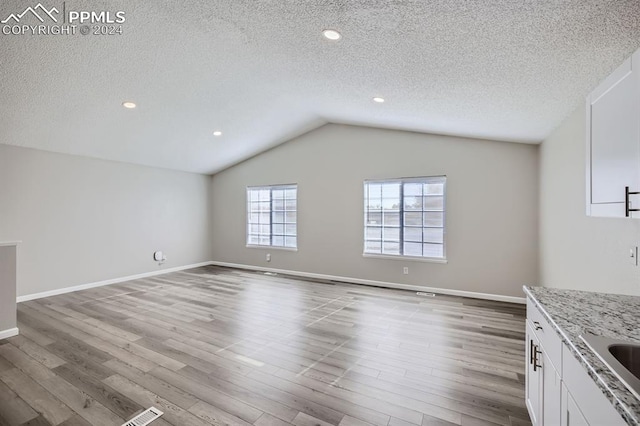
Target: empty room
{"x": 314, "y": 213}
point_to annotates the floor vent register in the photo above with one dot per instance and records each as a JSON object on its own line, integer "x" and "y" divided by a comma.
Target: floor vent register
{"x": 144, "y": 418}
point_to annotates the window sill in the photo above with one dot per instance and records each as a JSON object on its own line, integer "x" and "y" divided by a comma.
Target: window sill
{"x": 407, "y": 258}
{"x": 271, "y": 247}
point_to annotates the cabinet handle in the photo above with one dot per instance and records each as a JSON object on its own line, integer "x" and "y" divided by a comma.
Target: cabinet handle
{"x": 626, "y": 201}
{"x": 530, "y": 351}
{"x": 537, "y": 324}
{"x": 535, "y": 358}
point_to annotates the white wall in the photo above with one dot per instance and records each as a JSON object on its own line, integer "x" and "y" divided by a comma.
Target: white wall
{"x": 83, "y": 220}
{"x": 492, "y": 202}
{"x": 577, "y": 251}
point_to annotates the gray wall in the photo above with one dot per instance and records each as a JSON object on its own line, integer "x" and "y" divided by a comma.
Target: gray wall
{"x": 577, "y": 251}
{"x": 7, "y": 287}
{"x": 492, "y": 217}
{"x": 83, "y": 220}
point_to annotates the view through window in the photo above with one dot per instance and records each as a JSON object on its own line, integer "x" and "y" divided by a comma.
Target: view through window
{"x": 405, "y": 217}
{"x": 272, "y": 216}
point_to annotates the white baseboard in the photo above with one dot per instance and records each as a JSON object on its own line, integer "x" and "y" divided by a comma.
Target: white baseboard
{"x": 5, "y": 334}
{"x": 475, "y": 295}
{"x": 34, "y": 296}
{"x": 472, "y": 294}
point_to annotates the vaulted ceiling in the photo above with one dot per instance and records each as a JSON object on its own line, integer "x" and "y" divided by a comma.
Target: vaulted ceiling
{"x": 261, "y": 72}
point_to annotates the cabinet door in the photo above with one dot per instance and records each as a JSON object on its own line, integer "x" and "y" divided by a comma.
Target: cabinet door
{"x": 533, "y": 379}
{"x": 571, "y": 414}
{"x": 613, "y": 141}
{"x": 551, "y": 393}
{"x": 586, "y": 395}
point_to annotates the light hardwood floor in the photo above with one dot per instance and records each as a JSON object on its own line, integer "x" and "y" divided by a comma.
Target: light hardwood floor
{"x": 229, "y": 347}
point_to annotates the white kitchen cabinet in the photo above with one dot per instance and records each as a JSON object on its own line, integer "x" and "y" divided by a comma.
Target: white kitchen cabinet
{"x": 587, "y": 397}
{"x": 571, "y": 414}
{"x": 533, "y": 378}
{"x": 613, "y": 143}
{"x": 558, "y": 390}
{"x": 543, "y": 382}
{"x": 551, "y": 393}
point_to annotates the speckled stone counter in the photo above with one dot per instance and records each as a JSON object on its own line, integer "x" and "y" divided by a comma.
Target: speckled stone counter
{"x": 573, "y": 313}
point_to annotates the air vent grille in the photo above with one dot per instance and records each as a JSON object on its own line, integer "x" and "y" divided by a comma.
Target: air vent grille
{"x": 145, "y": 417}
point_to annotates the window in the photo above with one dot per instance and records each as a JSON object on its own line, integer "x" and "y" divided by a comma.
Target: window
{"x": 405, "y": 217}
{"x": 271, "y": 216}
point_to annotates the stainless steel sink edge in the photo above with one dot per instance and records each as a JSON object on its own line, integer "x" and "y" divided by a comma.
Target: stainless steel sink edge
{"x": 600, "y": 347}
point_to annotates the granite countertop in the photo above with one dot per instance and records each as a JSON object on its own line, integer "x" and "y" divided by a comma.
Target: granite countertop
{"x": 575, "y": 312}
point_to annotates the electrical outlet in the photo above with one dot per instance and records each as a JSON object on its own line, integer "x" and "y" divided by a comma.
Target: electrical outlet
{"x": 268, "y": 257}
{"x": 159, "y": 257}
{"x": 405, "y": 270}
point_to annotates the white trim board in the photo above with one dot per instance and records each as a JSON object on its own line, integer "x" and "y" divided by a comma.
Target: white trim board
{"x": 475, "y": 295}
{"x": 5, "y": 334}
{"x": 463, "y": 293}
{"x": 59, "y": 291}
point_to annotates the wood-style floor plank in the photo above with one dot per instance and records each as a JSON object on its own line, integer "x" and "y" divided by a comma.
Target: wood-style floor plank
{"x": 36, "y": 352}
{"x": 42, "y": 401}
{"x": 13, "y": 409}
{"x": 172, "y": 412}
{"x": 221, "y": 346}
{"x": 98, "y": 390}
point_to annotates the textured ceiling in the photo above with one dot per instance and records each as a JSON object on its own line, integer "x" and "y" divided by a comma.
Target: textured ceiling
{"x": 261, "y": 72}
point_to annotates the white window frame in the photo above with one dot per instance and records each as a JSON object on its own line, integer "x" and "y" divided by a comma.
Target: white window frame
{"x": 271, "y": 210}
{"x": 401, "y": 181}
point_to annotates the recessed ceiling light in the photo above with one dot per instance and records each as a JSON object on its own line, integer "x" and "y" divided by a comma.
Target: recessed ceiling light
{"x": 129, "y": 105}
{"x": 217, "y": 133}
{"x": 332, "y": 35}
{"x": 378, "y": 99}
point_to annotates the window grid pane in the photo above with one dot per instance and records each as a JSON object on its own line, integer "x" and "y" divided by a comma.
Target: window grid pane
{"x": 405, "y": 217}
{"x": 272, "y": 216}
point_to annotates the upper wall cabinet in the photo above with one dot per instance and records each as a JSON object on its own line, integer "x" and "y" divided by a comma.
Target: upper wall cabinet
{"x": 613, "y": 143}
